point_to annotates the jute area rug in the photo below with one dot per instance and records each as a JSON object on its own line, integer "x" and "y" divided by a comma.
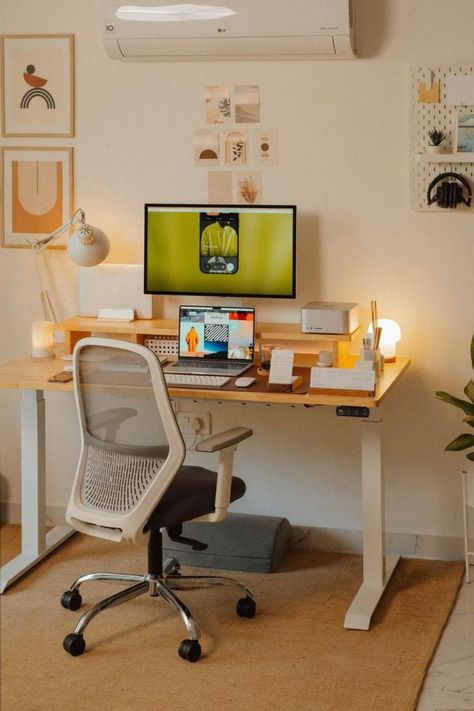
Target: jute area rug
{"x": 294, "y": 655}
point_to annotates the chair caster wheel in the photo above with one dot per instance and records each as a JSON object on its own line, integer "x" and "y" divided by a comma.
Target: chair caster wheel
{"x": 74, "y": 644}
{"x": 246, "y": 607}
{"x": 71, "y": 600}
{"x": 172, "y": 567}
{"x": 189, "y": 649}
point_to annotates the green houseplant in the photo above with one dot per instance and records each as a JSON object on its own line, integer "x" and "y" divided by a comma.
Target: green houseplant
{"x": 466, "y": 440}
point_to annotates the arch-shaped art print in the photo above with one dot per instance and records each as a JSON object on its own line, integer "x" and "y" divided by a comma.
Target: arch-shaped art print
{"x": 38, "y": 85}
{"x": 36, "y": 193}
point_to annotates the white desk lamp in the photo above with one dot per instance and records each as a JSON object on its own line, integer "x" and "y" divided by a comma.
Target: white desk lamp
{"x": 87, "y": 246}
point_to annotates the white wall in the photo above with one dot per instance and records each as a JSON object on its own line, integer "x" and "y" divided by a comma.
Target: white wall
{"x": 344, "y": 160}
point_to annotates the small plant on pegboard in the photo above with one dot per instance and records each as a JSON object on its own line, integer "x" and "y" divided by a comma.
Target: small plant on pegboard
{"x": 436, "y": 138}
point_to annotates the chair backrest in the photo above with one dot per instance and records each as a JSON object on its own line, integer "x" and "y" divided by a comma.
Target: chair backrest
{"x": 131, "y": 445}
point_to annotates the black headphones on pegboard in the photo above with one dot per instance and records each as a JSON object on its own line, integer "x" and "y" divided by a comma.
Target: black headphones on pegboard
{"x": 450, "y": 192}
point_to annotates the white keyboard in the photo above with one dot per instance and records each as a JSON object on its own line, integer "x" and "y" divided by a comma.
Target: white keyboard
{"x": 201, "y": 381}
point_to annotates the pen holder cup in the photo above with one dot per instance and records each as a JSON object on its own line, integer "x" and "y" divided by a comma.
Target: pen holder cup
{"x": 266, "y": 350}
{"x": 325, "y": 359}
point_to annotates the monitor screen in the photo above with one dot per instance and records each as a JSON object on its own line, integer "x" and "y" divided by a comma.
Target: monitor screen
{"x": 220, "y": 250}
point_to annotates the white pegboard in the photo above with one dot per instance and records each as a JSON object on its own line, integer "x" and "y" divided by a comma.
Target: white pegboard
{"x": 162, "y": 345}
{"x": 442, "y": 116}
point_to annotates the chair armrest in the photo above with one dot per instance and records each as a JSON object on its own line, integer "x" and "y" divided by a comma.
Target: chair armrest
{"x": 224, "y": 443}
{"x": 224, "y": 439}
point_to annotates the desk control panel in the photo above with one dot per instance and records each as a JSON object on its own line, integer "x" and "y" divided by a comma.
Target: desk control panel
{"x": 352, "y": 411}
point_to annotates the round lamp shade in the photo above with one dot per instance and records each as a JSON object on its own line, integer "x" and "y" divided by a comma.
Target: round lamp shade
{"x": 88, "y": 246}
{"x": 391, "y": 334}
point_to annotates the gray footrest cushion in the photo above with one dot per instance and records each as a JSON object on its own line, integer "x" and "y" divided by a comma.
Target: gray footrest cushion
{"x": 240, "y": 542}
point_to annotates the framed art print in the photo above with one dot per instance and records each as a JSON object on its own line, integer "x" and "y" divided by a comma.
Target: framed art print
{"x": 37, "y": 82}
{"x": 36, "y": 194}
{"x": 465, "y": 132}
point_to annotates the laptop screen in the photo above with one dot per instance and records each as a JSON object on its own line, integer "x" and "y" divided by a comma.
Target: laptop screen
{"x": 222, "y": 333}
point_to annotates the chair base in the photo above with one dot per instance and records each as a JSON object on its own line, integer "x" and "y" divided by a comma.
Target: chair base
{"x": 156, "y": 586}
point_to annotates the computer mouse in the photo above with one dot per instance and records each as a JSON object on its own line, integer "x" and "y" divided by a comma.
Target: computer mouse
{"x": 244, "y": 382}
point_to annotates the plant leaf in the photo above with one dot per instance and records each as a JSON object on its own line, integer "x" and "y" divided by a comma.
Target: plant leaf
{"x": 472, "y": 351}
{"x": 469, "y": 420}
{"x": 462, "y": 442}
{"x": 469, "y": 390}
{"x": 464, "y": 405}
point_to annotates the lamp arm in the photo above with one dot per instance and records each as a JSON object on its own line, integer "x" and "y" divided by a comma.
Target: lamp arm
{"x": 46, "y": 304}
{"x": 39, "y": 245}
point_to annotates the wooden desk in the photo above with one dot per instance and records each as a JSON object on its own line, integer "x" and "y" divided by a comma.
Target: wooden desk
{"x": 31, "y": 377}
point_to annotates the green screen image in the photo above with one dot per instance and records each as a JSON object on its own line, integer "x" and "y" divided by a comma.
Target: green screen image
{"x": 260, "y": 263}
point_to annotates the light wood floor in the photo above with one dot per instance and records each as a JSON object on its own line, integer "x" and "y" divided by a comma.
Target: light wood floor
{"x": 449, "y": 684}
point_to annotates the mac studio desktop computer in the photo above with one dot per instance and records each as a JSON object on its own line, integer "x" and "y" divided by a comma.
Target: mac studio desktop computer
{"x": 220, "y": 253}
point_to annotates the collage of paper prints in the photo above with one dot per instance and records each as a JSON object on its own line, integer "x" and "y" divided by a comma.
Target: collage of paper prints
{"x": 234, "y": 146}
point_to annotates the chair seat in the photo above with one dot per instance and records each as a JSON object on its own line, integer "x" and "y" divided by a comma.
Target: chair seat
{"x": 191, "y": 494}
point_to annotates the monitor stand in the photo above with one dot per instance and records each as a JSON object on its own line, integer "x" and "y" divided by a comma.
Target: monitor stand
{"x": 213, "y": 301}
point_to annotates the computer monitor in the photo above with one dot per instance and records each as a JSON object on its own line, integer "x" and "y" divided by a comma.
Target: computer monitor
{"x": 220, "y": 250}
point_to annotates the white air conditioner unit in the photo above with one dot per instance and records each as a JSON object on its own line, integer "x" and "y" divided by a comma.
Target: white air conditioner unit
{"x": 228, "y": 29}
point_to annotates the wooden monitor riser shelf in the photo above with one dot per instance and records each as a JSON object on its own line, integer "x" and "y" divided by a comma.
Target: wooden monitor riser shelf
{"x": 305, "y": 345}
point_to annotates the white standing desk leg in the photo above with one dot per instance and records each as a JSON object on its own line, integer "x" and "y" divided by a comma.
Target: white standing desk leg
{"x": 377, "y": 567}
{"x": 35, "y": 542}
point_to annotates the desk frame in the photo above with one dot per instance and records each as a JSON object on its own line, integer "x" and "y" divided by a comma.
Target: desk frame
{"x": 377, "y": 566}
{"x": 36, "y": 544}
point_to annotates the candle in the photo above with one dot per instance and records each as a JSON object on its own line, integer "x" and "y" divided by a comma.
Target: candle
{"x": 42, "y": 339}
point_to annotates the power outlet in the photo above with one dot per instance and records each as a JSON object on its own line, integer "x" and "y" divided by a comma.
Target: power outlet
{"x": 186, "y": 421}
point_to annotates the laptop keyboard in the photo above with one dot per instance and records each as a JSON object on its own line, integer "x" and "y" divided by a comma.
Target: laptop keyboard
{"x": 201, "y": 381}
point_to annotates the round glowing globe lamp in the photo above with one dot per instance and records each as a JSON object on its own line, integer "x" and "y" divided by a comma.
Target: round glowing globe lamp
{"x": 389, "y": 338}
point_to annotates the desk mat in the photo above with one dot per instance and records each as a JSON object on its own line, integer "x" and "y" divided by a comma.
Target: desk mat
{"x": 103, "y": 377}
{"x": 260, "y": 384}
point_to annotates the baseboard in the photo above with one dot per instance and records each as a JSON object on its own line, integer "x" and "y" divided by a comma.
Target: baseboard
{"x": 408, "y": 545}
{"x": 11, "y": 513}
{"x": 337, "y": 540}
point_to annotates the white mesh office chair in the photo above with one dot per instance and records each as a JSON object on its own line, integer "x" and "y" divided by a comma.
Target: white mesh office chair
{"x": 131, "y": 481}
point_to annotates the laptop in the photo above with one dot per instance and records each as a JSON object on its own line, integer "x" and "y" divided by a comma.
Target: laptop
{"x": 214, "y": 340}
